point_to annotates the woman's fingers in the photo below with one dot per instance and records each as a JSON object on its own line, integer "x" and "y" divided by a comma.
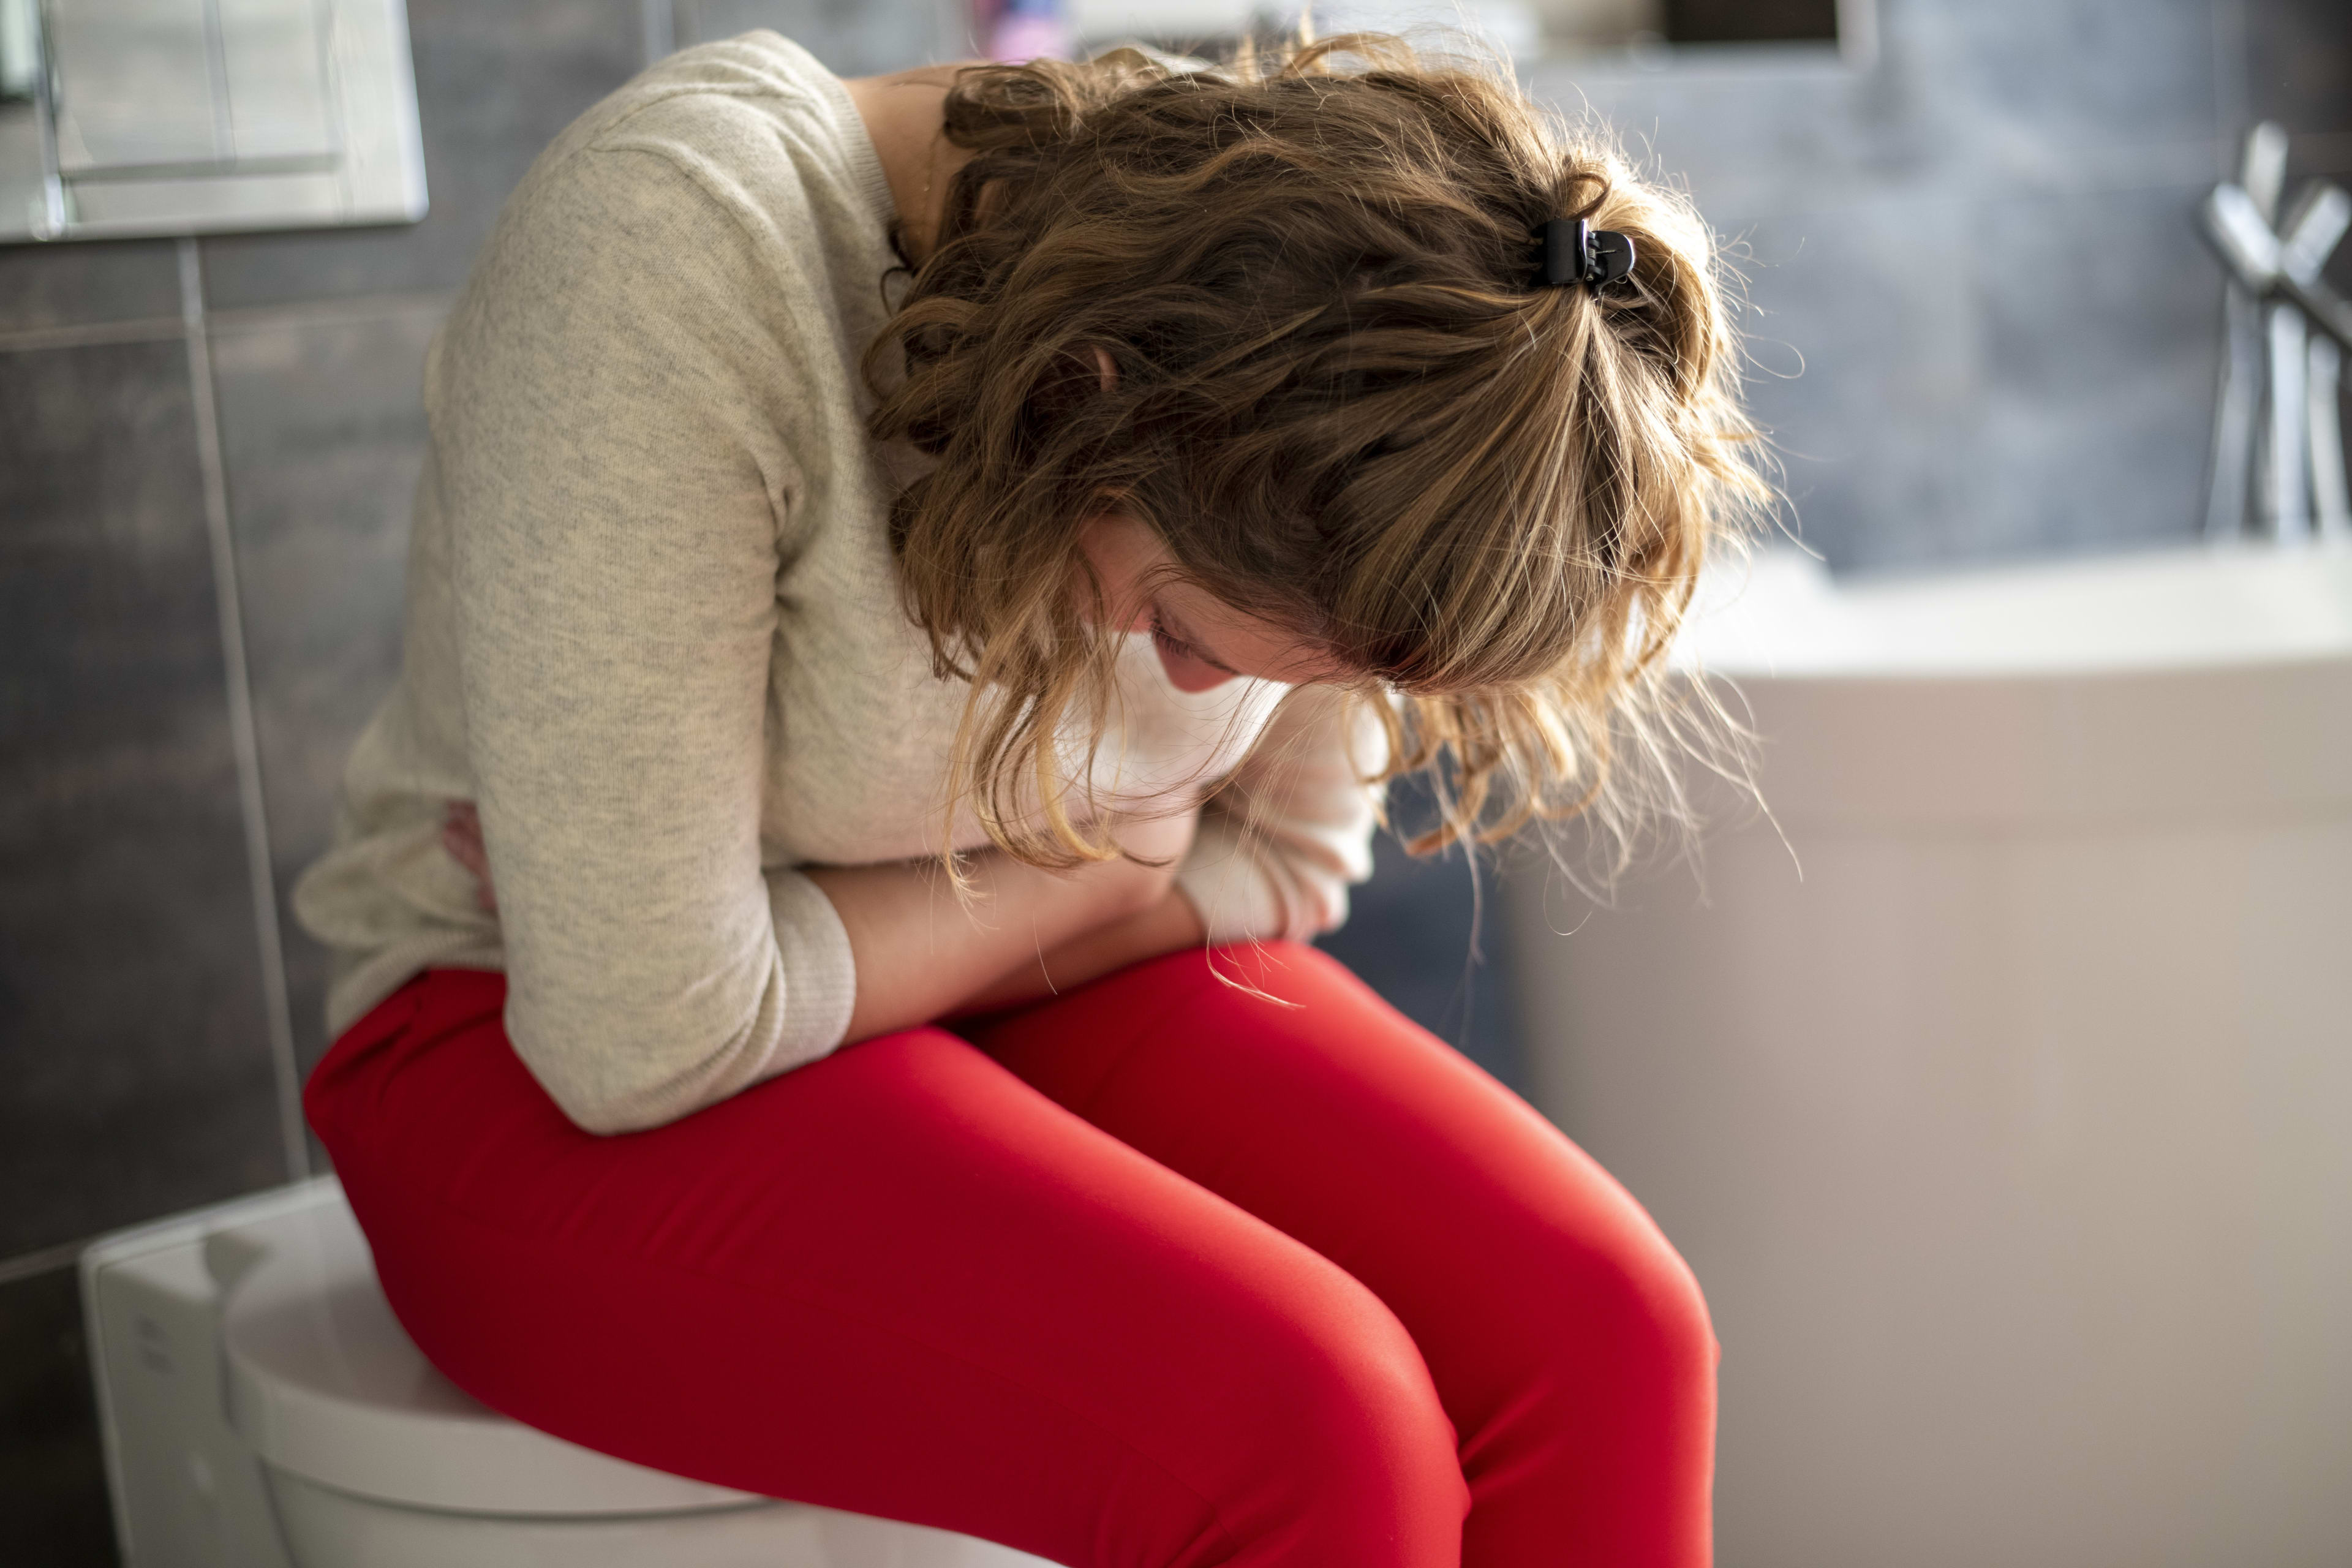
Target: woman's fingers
{"x": 461, "y": 835}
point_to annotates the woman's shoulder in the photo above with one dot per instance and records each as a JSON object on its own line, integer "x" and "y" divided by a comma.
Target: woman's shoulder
{"x": 754, "y": 120}
{"x": 715, "y": 209}
{"x": 757, "y": 100}
{"x": 749, "y": 132}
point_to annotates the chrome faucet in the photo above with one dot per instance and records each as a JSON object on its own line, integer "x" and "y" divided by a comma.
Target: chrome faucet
{"x": 2277, "y": 429}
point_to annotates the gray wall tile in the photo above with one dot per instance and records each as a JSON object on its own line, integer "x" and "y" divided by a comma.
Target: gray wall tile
{"x": 2298, "y": 67}
{"x": 2020, "y": 88}
{"x": 852, "y": 38}
{"x": 2103, "y": 334}
{"x": 322, "y": 427}
{"x": 52, "y": 1475}
{"x": 1869, "y": 373}
{"x": 135, "y": 1068}
{"x": 1983, "y": 323}
{"x": 494, "y": 86}
{"x": 1775, "y": 135}
{"x": 83, "y": 284}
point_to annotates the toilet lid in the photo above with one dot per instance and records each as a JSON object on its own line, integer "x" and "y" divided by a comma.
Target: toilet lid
{"x": 323, "y": 1382}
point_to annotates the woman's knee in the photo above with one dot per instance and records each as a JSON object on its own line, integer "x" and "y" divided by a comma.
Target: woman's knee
{"x": 1344, "y": 1442}
{"x": 1624, "y": 1313}
{"x": 1361, "y": 1393}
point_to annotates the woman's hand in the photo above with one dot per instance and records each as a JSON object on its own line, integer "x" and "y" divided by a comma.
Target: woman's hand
{"x": 461, "y": 835}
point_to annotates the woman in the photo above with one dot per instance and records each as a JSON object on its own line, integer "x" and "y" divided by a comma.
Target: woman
{"x": 912, "y": 585}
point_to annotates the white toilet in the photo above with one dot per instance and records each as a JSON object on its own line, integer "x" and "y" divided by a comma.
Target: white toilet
{"x": 263, "y": 1409}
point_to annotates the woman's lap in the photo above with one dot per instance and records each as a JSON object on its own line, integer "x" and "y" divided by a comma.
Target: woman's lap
{"x": 905, "y": 1282}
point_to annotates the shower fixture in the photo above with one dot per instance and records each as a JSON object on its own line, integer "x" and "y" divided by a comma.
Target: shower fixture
{"x": 2278, "y": 434}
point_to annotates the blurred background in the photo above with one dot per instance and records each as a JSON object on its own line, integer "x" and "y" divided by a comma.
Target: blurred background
{"x": 1984, "y": 329}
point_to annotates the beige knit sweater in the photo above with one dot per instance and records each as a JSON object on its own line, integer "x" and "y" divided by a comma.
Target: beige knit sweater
{"x": 654, "y": 630}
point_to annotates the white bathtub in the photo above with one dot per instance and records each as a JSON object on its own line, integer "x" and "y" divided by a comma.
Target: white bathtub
{"x": 2013, "y": 1142}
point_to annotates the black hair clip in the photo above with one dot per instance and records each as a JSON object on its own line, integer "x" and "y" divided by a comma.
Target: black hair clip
{"x": 1576, "y": 252}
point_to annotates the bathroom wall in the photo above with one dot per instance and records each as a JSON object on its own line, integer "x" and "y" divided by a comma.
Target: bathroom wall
{"x": 1983, "y": 325}
{"x": 1979, "y": 246}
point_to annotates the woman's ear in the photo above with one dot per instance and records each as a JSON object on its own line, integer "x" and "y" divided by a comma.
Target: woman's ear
{"x": 1108, "y": 366}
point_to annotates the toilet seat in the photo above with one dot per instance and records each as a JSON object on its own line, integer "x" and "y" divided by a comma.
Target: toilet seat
{"x": 322, "y": 1382}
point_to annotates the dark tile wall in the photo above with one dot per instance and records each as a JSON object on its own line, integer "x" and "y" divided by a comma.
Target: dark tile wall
{"x": 2299, "y": 72}
{"x": 89, "y": 284}
{"x": 322, "y": 435}
{"x": 52, "y": 1482}
{"x": 1979, "y": 250}
{"x": 132, "y": 1030}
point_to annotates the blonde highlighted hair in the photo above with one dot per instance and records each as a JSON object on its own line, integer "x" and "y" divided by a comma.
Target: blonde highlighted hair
{"x": 1343, "y": 399}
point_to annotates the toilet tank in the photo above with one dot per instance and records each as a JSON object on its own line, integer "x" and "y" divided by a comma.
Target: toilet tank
{"x": 187, "y": 1491}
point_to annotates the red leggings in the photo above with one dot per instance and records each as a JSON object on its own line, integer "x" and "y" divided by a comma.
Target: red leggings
{"x": 1156, "y": 1273}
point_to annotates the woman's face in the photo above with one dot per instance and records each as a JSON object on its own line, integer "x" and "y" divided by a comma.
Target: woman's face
{"x": 1202, "y": 642}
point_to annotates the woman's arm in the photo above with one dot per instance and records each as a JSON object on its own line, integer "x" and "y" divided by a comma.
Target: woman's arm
{"x": 1308, "y": 826}
{"x": 1280, "y": 845}
{"x": 1169, "y": 925}
{"x": 922, "y": 954}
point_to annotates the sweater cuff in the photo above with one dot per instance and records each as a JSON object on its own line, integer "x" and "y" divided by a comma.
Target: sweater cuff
{"x": 1231, "y": 891}
{"x": 820, "y": 970}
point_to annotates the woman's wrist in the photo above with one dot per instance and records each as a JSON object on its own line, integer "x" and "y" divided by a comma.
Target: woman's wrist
{"x": 922, "y": 951}
{"x": 1169, "y": 925}
{"x": 1075, "y": 900}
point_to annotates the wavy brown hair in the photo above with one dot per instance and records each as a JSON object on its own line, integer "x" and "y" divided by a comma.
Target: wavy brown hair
{"x": 1343, "y": 399}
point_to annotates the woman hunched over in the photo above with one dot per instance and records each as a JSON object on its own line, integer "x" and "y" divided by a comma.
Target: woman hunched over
{"x": 916, "y": 589}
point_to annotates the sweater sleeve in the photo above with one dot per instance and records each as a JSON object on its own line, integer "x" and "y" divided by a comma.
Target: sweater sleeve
{"x": 1281, "y": 844}
{"x": 606, "y": 402}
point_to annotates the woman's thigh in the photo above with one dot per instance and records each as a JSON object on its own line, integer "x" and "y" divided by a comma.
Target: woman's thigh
{"x": 899, "y": 1281}
{"x": 1566, "y": 1339}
